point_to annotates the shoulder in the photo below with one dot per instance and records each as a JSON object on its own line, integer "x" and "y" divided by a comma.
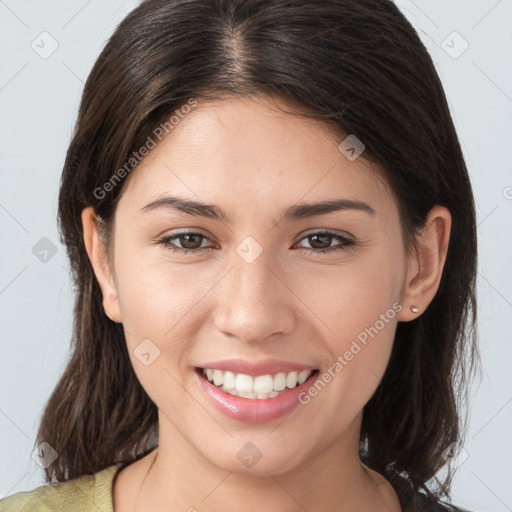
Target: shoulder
{"x": 82, "y": 494}
{"x": 417, "y": 501}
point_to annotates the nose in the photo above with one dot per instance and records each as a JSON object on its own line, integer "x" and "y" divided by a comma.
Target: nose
{"x": 255, "y": 301}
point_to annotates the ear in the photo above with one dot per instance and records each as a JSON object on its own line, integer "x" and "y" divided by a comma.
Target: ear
{"x": 426, "y": 267}
{"x": 98, "y": 257}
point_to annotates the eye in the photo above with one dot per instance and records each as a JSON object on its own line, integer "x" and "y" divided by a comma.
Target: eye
{"x": 323, "y": 239}
{"x": 192, "y": 242}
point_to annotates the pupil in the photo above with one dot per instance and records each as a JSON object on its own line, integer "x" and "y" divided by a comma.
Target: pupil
{"x": 187, "y": 238}
{"x": 326, "y": 238}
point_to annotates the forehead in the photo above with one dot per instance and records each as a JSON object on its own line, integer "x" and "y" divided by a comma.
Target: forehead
{"x": 236, "y": 150}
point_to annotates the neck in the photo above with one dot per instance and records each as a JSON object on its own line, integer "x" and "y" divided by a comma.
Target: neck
{"x": 181, "y": 478}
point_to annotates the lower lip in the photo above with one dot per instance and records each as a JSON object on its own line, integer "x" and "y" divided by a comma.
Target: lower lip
{"x": 254, "y": 410}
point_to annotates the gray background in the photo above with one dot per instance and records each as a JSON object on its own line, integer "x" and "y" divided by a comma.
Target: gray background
{"x": 39, "y": 96}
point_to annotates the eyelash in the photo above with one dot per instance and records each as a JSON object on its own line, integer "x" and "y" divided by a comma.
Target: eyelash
{"x": 347, "y": 243}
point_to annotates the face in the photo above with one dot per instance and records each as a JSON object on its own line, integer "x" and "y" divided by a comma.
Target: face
{"x": 309, "y": 288}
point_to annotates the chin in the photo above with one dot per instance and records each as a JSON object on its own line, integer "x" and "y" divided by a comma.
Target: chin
{"x": 254, "y": 461}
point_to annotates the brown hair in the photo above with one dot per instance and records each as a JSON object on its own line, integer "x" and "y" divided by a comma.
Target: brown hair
{"x": 358, "y": 64}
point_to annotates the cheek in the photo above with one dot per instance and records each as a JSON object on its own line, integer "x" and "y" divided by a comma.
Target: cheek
{"x": 163, "y": 309}
{"x": 157, "y": 306}
{"x": 364, "y": 326}
{"x": 155, "y": 295}
{"x": 154, "y": 304}
{"x": 357, "y": 308}
{"x": 349, "y": 297}
{"x": 359, "y": 354}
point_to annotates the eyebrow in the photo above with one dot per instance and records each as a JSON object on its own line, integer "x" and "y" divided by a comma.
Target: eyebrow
{"x": 295, "y": 212}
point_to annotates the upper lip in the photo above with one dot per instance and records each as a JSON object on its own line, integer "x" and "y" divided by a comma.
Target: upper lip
{"x": 255, "y": 368}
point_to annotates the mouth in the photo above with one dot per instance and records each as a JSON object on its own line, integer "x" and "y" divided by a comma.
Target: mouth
{"x": 258, "y": 387}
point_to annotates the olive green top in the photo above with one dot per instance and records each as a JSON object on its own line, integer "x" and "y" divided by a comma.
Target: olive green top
{"x": 88, "y": 493}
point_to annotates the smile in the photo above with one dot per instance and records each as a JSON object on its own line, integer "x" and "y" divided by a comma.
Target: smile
{"x": 257, "y": 398}
{"x": 255, "y": 387}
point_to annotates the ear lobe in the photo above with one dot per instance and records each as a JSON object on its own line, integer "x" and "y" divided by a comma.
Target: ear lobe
{"x": 98, "y": 257}
{"x": 425, "y": 271}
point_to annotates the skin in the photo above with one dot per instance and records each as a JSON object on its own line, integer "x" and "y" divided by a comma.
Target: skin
{"x": 252, "y": 160}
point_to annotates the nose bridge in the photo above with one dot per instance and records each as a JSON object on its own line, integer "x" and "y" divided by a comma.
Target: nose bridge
{"x": 254, "y": 282}
{"x": 254, "y": 303}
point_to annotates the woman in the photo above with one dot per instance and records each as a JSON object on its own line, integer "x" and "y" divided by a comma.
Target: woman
{"x": 272, "y": 236}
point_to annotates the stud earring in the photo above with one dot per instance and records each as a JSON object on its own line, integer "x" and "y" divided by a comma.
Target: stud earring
{"x": 414, "y": 309}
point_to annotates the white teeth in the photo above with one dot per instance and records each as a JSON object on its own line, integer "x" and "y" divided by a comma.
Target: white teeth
{"x": 242, "y": 394}
{"x": 243, "y": 383}
{"x": 303, "y": 375}
{"x": 261, "y": 386}
{"x": 291, "y": 380}
{"x": 280, "y": 381}
{"x": 217, "y": 377}
{"x": 229, "y": 380}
